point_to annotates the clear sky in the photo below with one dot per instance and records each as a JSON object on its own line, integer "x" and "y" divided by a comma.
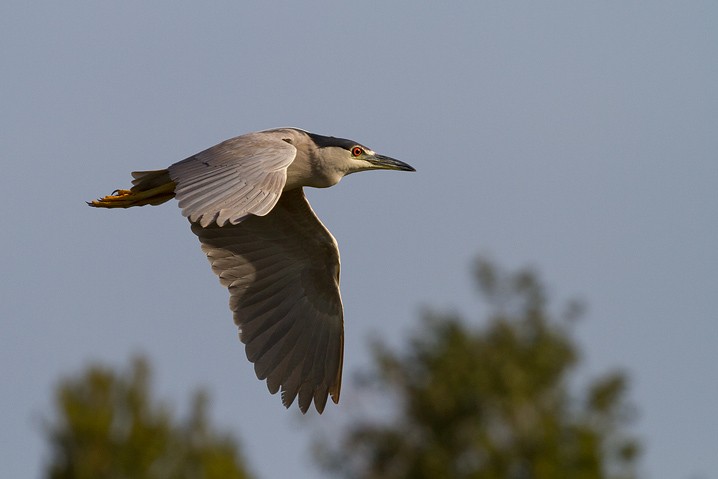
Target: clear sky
{"x": 577, "y": 137}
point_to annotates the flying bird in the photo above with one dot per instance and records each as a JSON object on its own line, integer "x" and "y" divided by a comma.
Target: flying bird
{"x": 245, "y": 201}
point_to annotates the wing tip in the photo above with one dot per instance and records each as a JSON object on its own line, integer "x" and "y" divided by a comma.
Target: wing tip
{"x": 317, "y": 395}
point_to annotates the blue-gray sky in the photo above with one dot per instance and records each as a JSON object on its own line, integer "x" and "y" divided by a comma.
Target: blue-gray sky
{"x": 578, "y": 137}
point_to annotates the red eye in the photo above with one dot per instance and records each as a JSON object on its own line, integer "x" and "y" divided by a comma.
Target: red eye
{"x": 356, "y": 151}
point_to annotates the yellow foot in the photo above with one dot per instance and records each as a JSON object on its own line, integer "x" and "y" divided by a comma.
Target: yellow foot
{"x": 128, "y": 198}
{"x": 118, "y": 199}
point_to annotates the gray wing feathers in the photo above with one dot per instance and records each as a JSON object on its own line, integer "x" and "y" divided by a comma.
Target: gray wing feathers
{"x": 236, "y": 178}
{"x": 282, "y": 271}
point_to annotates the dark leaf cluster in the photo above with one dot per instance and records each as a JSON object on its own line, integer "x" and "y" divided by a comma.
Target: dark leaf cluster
{"x": 492, "y": 401}
{"x": 108, "y": 425}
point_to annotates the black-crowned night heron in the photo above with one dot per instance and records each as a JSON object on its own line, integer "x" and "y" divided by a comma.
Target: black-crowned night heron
{"x": 244, "y": 199}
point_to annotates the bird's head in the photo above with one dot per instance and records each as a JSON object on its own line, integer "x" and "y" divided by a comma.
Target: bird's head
{"x": 350, "y": 156}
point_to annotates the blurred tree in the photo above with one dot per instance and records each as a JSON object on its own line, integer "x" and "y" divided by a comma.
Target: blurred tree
{"x": 489, "y": 403}
{"x": 108, "y": 425}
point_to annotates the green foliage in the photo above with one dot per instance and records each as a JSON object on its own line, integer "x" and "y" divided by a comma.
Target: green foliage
{"x": 490, "y": 402}
{"x": 108, "y": 425}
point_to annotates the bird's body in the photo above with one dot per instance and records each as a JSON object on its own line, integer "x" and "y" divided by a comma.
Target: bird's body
{"x": 245, "y": 201}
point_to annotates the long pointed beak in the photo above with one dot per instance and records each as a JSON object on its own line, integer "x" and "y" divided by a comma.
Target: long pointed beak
{"x": 386, "y": 163}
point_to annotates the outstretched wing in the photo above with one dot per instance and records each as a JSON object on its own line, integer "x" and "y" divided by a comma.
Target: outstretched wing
{"x": 282, "y": 271}
{"x": 238, "y": 177}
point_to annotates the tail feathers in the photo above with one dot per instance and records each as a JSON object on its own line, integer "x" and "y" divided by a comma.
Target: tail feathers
{"x": 148, "y": 188}
{"x": 147, "y": 180}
